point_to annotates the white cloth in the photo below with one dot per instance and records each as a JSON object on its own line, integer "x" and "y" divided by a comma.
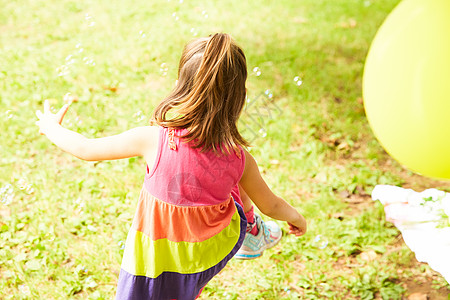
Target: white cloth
{"x": 419, "y": 217}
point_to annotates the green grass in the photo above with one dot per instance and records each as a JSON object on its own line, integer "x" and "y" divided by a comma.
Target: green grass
{"x": 62, "y": 234}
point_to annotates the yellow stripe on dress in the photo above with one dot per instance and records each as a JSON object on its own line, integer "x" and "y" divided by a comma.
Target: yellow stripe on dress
{"x": 145, "y": 257}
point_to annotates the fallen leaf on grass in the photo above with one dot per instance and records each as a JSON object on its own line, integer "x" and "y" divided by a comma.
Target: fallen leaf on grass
{"x": 300, "y": 20}
{"x": 418, "y": 296}
{"x": 5, "y": 212}
{"x": 368, "y": 256}
{"x": 351, "y": 23}
{"x": 111, "y": 88}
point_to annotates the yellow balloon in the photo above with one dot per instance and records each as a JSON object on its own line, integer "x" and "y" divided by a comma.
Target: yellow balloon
{"x": 406, "y": 86}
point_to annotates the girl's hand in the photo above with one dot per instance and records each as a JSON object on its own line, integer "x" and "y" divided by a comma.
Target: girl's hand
{"x": 49, "y": 119}
{"x": 299, "y": 228}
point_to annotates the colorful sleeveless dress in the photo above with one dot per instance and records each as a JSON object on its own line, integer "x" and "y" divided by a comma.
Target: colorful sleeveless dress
{"x": 189, "y": 222}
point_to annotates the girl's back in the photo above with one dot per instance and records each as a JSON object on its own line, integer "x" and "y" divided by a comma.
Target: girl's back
{"x": 183, "y": 175}
{"x": 187, "y": 224}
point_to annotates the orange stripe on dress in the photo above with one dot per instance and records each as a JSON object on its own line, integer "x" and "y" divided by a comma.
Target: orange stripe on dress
{"x": 158, "y": 219}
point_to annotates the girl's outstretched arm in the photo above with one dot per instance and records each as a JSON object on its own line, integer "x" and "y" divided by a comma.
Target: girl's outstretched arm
{"x": 266, "y": 201}
{"x": 140, "y": 141}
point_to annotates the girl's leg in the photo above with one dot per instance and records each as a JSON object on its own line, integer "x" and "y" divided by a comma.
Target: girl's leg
{"x": 248, "y": 206}
{"x": 249, "y": 211}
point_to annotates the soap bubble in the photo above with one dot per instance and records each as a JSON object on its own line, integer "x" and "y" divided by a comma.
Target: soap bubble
{"x": 23, "y": 185}
{"x": 69, "y": 98}
{"x": 139, "y": 116}
{"x": 194, "y": 31}
{"x": 88, "y": 61}
{"x": 268, "y": 94}
{"x": 320, "y": 242}
{"x": 298, "y": 81}
{"x": 92, "y": 228}
{"x": 80, "y": 48}
{"x": 78, "y": 120}
{"x": 80, "y": 204}
{"x": 121, "y": 245}
{"x": 89, "y": 20}
{"x": 163, "y": 69}
{"x": 256, "y": 71}
{"x": 63, "y": 70}
{"x": 175, "y": 16}
{"x": 142, "y": 34}
{"x": 262, "y": 132}
{"x": 205, "y": 14}
{"x": 8, "y": 114}
{"x": 24, "y": 289}
{"x": 82, "y": 269}
{"x": 70, "y": 59}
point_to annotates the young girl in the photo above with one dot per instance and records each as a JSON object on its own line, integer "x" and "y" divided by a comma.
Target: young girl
{"x": 194, "y": 212}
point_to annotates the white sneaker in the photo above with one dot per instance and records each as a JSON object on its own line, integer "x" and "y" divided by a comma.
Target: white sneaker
{"x": 269, "y": 234}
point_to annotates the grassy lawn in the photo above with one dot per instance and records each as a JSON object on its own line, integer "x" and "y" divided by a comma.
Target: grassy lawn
{"x": 63, "y": 222}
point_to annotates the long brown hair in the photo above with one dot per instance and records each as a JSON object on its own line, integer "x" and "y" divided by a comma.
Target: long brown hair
{"x": 209, "y": 95}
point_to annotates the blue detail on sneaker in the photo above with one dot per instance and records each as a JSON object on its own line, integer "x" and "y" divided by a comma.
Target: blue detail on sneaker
{"x": 269, "y": 234}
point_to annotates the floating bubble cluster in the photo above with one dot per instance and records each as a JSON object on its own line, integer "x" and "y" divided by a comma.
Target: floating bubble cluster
{"x": 256, "y": 114}
{"x": 89, "y": 20}
{"x": 63, "y": 70}
{"x": 7, "y": 194}
{"x": 71, "y": 59}
{"x": 205, "y": 14}
{"x": 88, "y": 61}
{"x": 175, "y": 16}
{"x": 25, "y": 186}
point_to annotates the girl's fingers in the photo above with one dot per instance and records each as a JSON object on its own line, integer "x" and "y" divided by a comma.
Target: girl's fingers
{"x": 38, "y": 123}
{"x": 39, "y": 114}
{"x": 62, "y": 112}
{"x": 295, "y": 230}
{"x": 46, "y": 106}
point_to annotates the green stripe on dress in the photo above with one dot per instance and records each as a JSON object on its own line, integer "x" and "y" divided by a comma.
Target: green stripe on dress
{"x": 180, "y": 257}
